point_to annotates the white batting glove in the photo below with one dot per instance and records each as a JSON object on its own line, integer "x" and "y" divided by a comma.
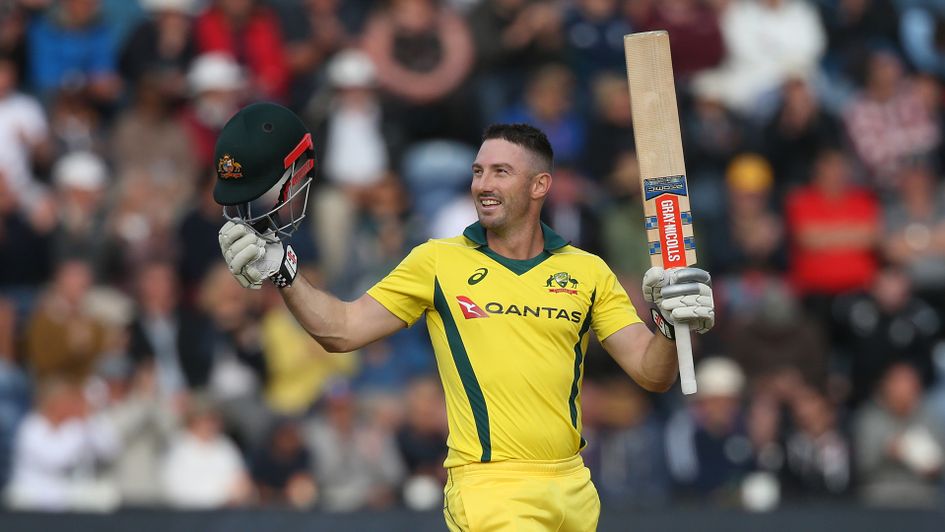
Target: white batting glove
{"x": 681, "y": 295}
{"x": 252, "y": 259}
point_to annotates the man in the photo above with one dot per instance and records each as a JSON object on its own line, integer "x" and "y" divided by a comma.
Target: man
{"x": 508, "y": 305}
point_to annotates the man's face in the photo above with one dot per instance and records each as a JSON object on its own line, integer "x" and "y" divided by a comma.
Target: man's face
{"x": 501, "y": 184}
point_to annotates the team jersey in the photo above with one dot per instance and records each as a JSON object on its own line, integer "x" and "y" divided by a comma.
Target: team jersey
{"x": 509, "y": 337}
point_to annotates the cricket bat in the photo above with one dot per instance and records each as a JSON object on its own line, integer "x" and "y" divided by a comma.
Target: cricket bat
{"x": 665, "y": 193}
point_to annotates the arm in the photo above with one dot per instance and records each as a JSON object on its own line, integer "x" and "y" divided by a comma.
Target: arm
{"x": 337, "y": 325}
{"x": 648, "y": 359}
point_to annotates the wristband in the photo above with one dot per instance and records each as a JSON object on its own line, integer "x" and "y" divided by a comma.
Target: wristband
{"x": 287, "y": 271}
{"x": 664, "y": 326}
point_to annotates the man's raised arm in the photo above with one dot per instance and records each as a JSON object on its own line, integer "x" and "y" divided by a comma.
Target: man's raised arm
{"x": 339, "y": 326}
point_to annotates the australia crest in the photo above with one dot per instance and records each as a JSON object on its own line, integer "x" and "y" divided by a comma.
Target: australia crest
{"x": 228, "y": 168}
{"x": 562, "y": 280}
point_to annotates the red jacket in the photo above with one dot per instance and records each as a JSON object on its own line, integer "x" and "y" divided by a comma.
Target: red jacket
{"x": 257, "y": 45}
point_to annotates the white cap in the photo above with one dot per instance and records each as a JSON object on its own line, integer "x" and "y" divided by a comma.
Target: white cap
{"x": 717, "y": 376}
{"x": 181, "y": 6}
{"x": 215, "y": 71}
{"x": 351, "y": 69}
{"x": 80, "y": 169}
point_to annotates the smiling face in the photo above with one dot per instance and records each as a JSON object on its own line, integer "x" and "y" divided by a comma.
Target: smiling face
{"x": 508, "y": 185}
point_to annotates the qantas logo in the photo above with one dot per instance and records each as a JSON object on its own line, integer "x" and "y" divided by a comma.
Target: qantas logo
{"x": 470, "y": 309}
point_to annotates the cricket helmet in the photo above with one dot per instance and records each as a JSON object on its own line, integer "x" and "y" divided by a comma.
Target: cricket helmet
{"x": 265, "y": 163}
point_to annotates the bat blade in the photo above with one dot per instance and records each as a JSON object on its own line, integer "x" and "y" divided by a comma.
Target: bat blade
{"x": 665, "y": 191}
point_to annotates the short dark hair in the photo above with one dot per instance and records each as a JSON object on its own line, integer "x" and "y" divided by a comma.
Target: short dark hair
{"x": 529, "y": 137}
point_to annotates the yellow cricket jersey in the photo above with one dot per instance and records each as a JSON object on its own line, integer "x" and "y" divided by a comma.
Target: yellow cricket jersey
{"x": 510, "y": 337}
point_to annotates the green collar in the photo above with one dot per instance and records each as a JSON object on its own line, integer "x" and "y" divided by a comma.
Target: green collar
{"x": 477, "y": 233}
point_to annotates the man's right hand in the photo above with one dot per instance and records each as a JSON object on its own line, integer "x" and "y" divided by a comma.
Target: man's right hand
{"x": 241, "y": 248}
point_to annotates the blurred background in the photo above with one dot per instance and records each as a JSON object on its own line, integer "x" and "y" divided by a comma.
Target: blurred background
{"x": 135, "y": 374}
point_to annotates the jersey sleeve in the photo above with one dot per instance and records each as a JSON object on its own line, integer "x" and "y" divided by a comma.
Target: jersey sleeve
{"x": 407, "y": 291}
{"x": 612, "y": 309}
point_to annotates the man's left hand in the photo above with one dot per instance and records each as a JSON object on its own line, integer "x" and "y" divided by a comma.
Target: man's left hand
{"x": 681, "y": 295}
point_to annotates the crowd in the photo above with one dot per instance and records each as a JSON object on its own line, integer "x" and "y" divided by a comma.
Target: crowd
{"x": 135, "y": 372}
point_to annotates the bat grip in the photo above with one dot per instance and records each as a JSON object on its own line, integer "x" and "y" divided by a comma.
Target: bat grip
{"x": 687, "y": 372}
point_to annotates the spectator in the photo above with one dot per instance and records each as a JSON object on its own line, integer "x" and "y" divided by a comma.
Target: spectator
{"x": 421, "y": 439}
{"x": 203, "y": 469}
{"x": 694, "y": 33}
{"x": 771, "y": 337}
{"x": 707, "y": 444}
{"x": 625, "y": 450}
{"x": 511, "y": 37}
{"x": 888, "y": 122}
{"x": 570, "y": 211}
{"x": 24, "y": 133}
{"x": 14, "y": 22}
{"x": 62, "y": 341}
{"x": 70, "y": 47}
{"x": 248, "y": 32}
{"x": 144, "y": 422}
{"x": 283, "y": 468}
{"x": 76, "y": 123}
{"x": 356, "y": 138}
{"x": 162, "y": 47}
{"x": 832, "y": 228}
{"x": 751, "y": 237}
{"x": 15, "y": 388}
{"x": 818, "y": 455}
{"x": 914, "y": 233}
{"x": 165, "y": 336}
{"x": 234, "y": 369}
{"x": 217, "y": 84}
{"x": 27, "y": 237}
{"x": 423, "y": 52}
{"x": 548, "y": 104}
{"x": 766, "y": 41}
{"x": 60, "y": 448}
{"x": 298, "y": 368}
{"x": 921, "y": 25}
{"x": 196, "y": 234}
{"x": 81, "y": 180}
{"x": 314, "y": 32}
{"x": 852, "y": 27}
{"x": 610, "y": 132}
{"x": 595, "y": 30}
{"x": 357, "y": 465}
{"x": 713, "y": 135}
{"x": 886, "y": 325}
{"x": 625, "y": 251}
{"x": 900, "y": 455}
{"x": 797, "y": 132}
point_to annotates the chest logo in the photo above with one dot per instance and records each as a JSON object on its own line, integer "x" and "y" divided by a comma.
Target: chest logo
{"x": 562, "y": 280}
{"x": 470, "y": 309}
{"x": 477, "y": 276}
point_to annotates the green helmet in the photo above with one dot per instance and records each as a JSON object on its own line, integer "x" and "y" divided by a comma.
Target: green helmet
{"x": 265, "y": 165}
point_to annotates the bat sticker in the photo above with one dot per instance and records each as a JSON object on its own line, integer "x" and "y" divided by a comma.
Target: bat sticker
{"x": 658, "y": 186}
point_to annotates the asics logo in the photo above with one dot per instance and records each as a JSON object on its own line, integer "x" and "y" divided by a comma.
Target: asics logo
{"x": 477, "y": 276}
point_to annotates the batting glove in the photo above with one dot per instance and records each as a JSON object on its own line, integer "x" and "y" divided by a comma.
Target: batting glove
{"x": 252, "y": 259}
{"x": 680, "y": 295}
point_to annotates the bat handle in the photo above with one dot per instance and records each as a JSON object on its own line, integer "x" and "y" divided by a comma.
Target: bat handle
{"x": 687, "y": 372}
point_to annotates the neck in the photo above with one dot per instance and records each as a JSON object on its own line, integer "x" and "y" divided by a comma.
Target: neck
{"x": 520, "y": 244}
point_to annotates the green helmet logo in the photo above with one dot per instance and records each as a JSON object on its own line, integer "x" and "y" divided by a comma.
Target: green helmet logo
{"x": 265, "y": 165}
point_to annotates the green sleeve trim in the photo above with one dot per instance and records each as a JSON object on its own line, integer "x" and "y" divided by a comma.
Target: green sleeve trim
{"x": 466, "y": 374}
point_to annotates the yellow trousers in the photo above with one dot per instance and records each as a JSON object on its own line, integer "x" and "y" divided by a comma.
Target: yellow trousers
{"x": 521, "y": 496}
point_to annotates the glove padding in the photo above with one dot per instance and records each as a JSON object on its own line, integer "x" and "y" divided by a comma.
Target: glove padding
{"x": 252, "y": 259}
{"x": 681, "y": 295}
